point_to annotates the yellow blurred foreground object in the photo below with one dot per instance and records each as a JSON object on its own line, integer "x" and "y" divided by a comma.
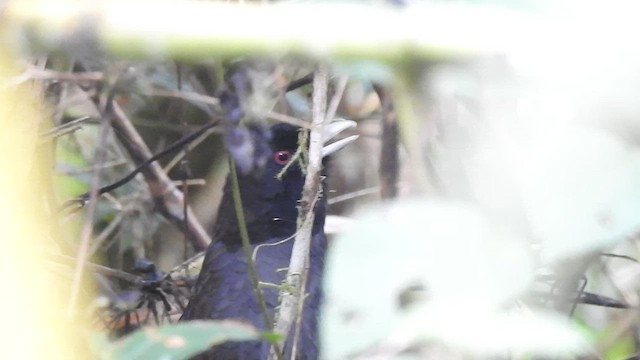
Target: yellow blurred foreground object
{"x": 34, "y": 324}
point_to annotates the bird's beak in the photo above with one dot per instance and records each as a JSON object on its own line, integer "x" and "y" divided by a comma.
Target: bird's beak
{"x": 332, "y": 130}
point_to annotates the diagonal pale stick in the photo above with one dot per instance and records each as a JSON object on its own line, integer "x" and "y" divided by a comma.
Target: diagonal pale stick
{"x": 296, "y": 274}
{"x": 162, "y": 188}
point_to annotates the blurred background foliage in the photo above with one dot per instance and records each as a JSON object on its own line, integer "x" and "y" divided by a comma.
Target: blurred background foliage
{"x": 513, "y": 180}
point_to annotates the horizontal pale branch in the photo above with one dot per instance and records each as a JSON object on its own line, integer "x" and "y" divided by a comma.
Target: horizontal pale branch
{"x": 191, "y": 30}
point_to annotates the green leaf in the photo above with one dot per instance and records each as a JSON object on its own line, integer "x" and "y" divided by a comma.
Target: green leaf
{"x": 180, "y": 341}
{"x": 272, "y": 337}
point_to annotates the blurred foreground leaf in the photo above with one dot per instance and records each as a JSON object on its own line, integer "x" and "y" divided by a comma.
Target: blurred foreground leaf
{"x": 444, "y": 254}
{"x": 580, "y": 190}
{"x": 179, "y": 341}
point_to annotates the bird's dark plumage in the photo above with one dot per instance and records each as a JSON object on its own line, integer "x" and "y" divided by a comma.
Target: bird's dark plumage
{"x": 224, "y": 289}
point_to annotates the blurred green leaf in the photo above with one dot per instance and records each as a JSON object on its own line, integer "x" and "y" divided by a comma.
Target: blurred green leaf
{"x": 580, "y": 190}
{"x": 365, "y": 70}
{"x": 272, "y": 337}
{"x": 489, "y": 332}
{"x": 179, "y": 341}
{"x": 459, "y": 257}
{"x": 68, "y": 158}
{"x": 624, "y": 348}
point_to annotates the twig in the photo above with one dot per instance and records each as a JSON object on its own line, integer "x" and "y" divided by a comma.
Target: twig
{"x": 82, "y": 171}
{"x": 190, "y": 145}
{"x": 353, "y": 195}
{"x": 100, "y": 269}
{"x": 43, "y": 74}
{"x": 298, "y": 83}
{"x": 287, "y": 119}
{"x": 389, "y": 166}
{"x": 277, "y": 243}
{"x": 329, "y": 114}
{"x": 297, "y": 157}
{"x": 201, "y": 132}
{"x": 164, "y": 191}
{"x": 87, "y": 227}
{"x": 108, "y": 230}
{"x": 337, "y": 97}
{"x": 246, "y": 247}
{"x": 190, "y": 182}
{"x": 35, "y": 73}
{"x": 408, "y": 124}
{"x": 185, "y": 170}
{"x": 184, "y": 95}
{"x": 65, "y": 128}
{"x": 299, "y": 264}
{"x": 619, "y": 256}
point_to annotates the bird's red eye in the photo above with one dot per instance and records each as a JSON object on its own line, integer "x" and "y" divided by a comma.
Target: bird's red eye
{"x": 282, "y": 157}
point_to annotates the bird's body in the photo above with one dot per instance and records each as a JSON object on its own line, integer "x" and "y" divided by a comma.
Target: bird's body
{"x": 224, "y": 289}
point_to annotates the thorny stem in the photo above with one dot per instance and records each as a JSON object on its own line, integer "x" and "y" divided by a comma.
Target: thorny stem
{"x": 246, "y": 247}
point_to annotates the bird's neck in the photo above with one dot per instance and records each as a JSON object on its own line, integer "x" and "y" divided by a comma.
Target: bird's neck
{"x": 268, "y": 214}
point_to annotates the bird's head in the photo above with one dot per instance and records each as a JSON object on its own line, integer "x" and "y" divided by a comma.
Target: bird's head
{"x": 270, "y": 194}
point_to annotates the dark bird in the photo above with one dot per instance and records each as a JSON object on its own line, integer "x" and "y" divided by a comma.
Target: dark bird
{"x": 224, "y": 289}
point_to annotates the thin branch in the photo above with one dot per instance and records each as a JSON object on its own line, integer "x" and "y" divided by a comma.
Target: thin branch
{"x": 65, "y": 128}
{"x": 277, "y": 243}
{"x": 287, "y": 119}
{"x": 197, "y": 136}
{"x": 87, "y": 227}
{"x": 298, "y": 156}
{"x": 246, "y": 247}
{"x": 329, "y": 115}
{"x": 185, "y": 170}
{"x": 408, "y": 123}
{"x": 36, "y": 73}
{"x": 298, "y": 83}
{"x": 337, "y": 97}
{"x": 108, "y": 230}
{"x": 619, "y": 256}
{"x": 165, "y": 193}
{"x": 194, "y": 142}
{"x": 100, "y": 269}
{"x": 184, "y": 95}
{"x": 353, "y": 195}
{"x": 87, "y": 170}
{"x": 298, "y": 267}
{"x": 190, "y": 182}
{"x": 299, "y": 314}
{"x": 389, "y": 158}
{"x": 184, "y": 274}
